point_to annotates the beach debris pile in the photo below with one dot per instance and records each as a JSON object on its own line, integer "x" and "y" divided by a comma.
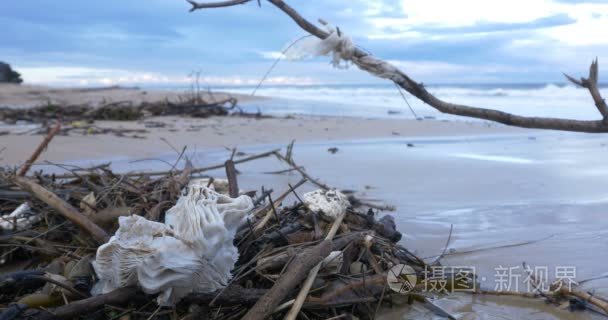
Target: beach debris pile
{"x": 187, "y": 246}
{"x": 81, "y": 118}
{"x": 121, "y": 111}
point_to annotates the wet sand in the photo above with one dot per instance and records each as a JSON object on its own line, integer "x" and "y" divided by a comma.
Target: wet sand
{"x": 230, "y": 132}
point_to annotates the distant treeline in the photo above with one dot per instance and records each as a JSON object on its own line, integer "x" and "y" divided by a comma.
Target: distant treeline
{"x": 8, "y": 75}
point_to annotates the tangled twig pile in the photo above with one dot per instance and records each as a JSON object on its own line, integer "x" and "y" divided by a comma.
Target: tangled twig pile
{"x": 321, "y": 257}
{"x": 124, "y": 110}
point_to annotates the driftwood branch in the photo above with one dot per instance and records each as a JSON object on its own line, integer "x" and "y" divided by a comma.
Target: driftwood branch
{"x": 585, "y": 296}
{"x": 297, "y": 271}
{"x": 219, "y": 4}
{"x": 312, "y": 275}
{"x": 302, "y": 172}
{"x": 75, "y": 309}
{"x": 233, "y": 186}
{"x": 591, "y": 83}
{"x": 193, "y": 171}
{"x": 28, "y": 164}
{"x": 64, "y": 208}
{"x": 385, "y": 70}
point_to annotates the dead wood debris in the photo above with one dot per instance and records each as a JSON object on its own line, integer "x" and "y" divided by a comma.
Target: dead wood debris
{"x": 46, "y": 271}
{"x": 80, "y": 119}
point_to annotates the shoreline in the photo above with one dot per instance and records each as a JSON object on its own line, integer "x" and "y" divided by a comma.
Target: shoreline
{"x": 200, "y": 134}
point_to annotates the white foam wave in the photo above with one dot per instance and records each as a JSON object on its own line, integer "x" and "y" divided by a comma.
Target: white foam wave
{"x": 543, "y": 101}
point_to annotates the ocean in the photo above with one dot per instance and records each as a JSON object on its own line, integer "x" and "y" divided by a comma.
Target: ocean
{"x": 385, "y": 101}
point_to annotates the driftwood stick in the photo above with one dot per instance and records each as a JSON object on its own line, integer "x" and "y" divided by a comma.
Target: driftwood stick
{"x": 279, "y": 260}
{"x": 64, "y": 208}
{"x": 591, "y": 83}
{"x": 233, "y": 186}
{"x": 299, "y": 169}
{"x": 563, "y": 291}
{"x": 231, "y": 295}
{"x": 298, "y": 268}
{"x": 196, "y": 170}
{"x": 219, "y": 4}
{"x": 299, "y": 302}
{"x": 184, "y": 177}
{"x": 74, "y": 309}
{"x": 28, "y": 164}
{"x": 334, "y": 227}
{"x": 350, "y": 286}
{"x": 573, "y": 291}
{"x": 268, "y": 210}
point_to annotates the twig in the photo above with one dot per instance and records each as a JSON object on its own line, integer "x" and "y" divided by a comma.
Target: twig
{"x": 233, "y": 186}
{"x": 299, "y": 301}
{"x": 302, "y": 172}
{"x": 60, "y": 284}
{"x": 274, "y": 209}
{"x": 64, "y": 208}
{"x": 496, "y": 247}
{"x": 28, "y": 164}
{"x": 280, "y": 171}
{"x": 573, "y": 291}
{"x": 591, "y": 83}
{"x": 75, "y": 309}
{"x": 198, "y": 5}
{"x": 268, "y": 208}
{"x": 197, "y": 170}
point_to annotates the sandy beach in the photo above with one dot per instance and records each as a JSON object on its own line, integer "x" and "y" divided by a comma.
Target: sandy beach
{"x": 282, "y": 159}
{"x": 198, "y": 134}
{"x": 227, "y": 132}
{"x": 497, "y": 186}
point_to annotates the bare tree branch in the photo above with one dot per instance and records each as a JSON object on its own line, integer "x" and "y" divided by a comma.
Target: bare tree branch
{"x": 591, "y": 84}
{"x": 220, "y": 4}
{"x": 383, "y": 69}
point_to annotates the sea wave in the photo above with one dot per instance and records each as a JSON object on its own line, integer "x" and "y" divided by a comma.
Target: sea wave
{"x": 543, "y": 100}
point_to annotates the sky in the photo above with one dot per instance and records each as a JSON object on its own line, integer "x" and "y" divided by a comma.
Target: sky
{"x": 160, "y": 43}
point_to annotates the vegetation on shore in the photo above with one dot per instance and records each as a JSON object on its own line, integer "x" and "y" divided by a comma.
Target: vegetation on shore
{"x": 8, "y": 75}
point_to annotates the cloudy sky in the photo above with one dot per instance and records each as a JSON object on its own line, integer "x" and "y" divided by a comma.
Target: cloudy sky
{"x": 158, "y": 42}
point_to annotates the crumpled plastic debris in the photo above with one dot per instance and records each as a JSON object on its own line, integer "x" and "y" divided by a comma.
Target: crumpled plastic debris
{"x": 192, "y": 251}
{"x": 331, "y": 203}
{"x": 218, "y": 185}
{"x": 21, "y": 218}
{"x": 337, "y": 44}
